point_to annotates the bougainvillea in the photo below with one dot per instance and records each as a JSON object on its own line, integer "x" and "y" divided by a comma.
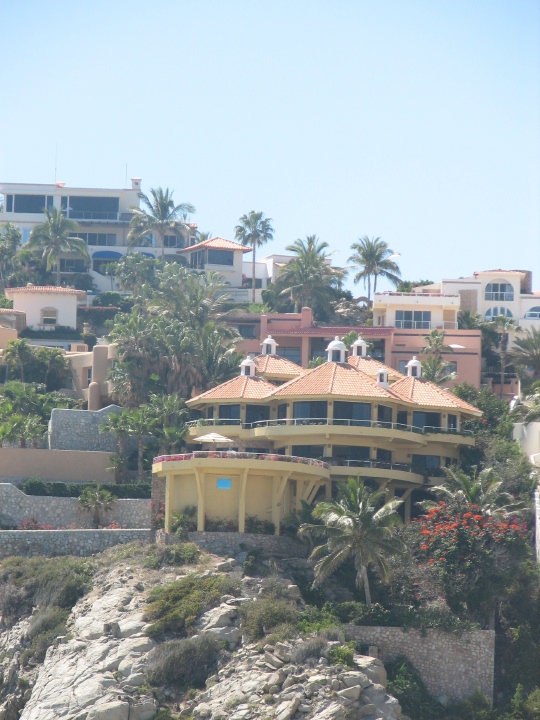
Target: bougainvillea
{"x": 473, "y": 552}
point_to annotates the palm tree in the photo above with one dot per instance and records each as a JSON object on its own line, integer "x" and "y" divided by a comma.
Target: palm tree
{"x": 483, "y": 489}
{"x": 19, "y": 354}
{"x": 373, "y": 257}
{"x": 526, "y": 352}
{"x": 504, "y": 325}
{"x": 97, "y": 501}
{"x": 435, "y": 344}
{"x": 255, "y": 230}
{"x": 436, "y": 370}
{"x": 161, "y": 217}
{"x": 54, "y": 237}
{"x": 117, "y": 424}
{"x": 358, "y": 525}
{"x": 10, "y": 241}
{"x": 308, "y": 279}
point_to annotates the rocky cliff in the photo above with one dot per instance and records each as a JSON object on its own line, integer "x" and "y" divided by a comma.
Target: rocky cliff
{"x": 98, "y": 670}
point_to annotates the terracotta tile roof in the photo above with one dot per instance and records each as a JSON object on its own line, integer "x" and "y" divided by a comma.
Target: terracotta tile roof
{"x": 217, "y": 243}
{"x": 371, "y": 366}
{"x": 427, "y": 394}
{"x": 333, "y": 379}
{"x": 8, "y": 311}
{"x": 276, "y": 365}
{"x": 333, "y": 330}
{"x": 45, "y": 289}
{"x": 242, "y": 387}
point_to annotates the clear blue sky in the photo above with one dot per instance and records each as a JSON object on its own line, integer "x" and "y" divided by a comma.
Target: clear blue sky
{"x": 414, "y": 120}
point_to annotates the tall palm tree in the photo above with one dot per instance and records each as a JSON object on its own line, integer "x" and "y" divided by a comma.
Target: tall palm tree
{"x": 373, "y": 257}
{"x": 358, "y": 525}
{"x": 10, "y": 241}
{"x": 526, "y": 352}
{"x": 19, "y": 355}
{"x": 308, "y": 279}
{"x": 504, "y": 326}
{"x": 254, "y": 230}
{"x": 55, "y": 236}
{"x": 160, "y": 216}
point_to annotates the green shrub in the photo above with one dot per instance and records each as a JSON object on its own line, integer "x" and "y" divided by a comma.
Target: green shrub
{"x": 313, "y": 619}
{"x": 27, "y": 582}
{"x": 45, "y": 626}
{"x": 35, "y": 486}
{"x": 311, "y": 648}
{"x": 175, "y": 607}
{"x": 261, "y": 616}
{"x": 184, "y": 521}
{"x": 259, "y": 527}
{"x": 176, "y": 555}
{"x": 184, "y": 663}
{"x": 405, "y": 683}
{"x": 341, "y": 655}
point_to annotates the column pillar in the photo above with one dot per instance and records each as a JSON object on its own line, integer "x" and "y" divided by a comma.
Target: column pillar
{"x": 304, "y": 351}
{"x": 242, "y": 503}
{"x": 200, "y": 500}
{"x": 169, "y": 479}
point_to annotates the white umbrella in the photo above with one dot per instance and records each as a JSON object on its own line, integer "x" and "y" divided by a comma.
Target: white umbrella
{"x": 213, "y": 438}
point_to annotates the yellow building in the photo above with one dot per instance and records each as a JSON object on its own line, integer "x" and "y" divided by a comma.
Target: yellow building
{"x": 290, "y": 438}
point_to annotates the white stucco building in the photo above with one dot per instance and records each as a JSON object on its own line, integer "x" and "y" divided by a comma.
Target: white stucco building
{"x": 47, "y": 307}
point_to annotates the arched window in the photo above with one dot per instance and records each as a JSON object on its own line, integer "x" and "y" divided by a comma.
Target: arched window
{"x": 533, "y": 313}
{"x": 49, "y": 316}
{"x": 494, "y": 312}
{"x": 500, "y": 291}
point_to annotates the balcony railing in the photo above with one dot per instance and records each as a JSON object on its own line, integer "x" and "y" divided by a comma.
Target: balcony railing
{"x": 92, "y": 215}
{"x": 504, "y": 296}
{"x": 232, "y": 455}
{"x": 424, "y": 325}
{"x": 382, "y": 465}
{"x": 299, "y": 422}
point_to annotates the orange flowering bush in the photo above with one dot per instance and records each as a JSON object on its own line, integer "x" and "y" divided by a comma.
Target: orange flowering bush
{"x": 472, "y": 552}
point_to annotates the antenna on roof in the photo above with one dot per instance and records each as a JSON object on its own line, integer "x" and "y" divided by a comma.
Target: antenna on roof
{"x": 55, "y": 160}
{"x": 125, "y": 181}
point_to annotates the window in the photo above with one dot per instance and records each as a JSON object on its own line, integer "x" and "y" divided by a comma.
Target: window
{"x": 9, "y": 203}
{"x": 229, "y": 412}
{"x": 257, "y": 413}
{"x": 291, "y": 353}
{"x": 384, "y": 455}
{"x": 93, "y": 208}
{"x": 499, "y": 291}
{"x": 88, "y": 376}
{"x": 402, "y": 417}
{"x": 224, "y": 484}
{"x": 248, "y": 282}
{"x": 352, "y": 413}
{"x": 384, "y": 414}
{"x": 220, "y": 257}
{"x": 173, "y": 241}
{"x": 426, "y": 462}
{"x": 351, "y": 454}
{"x": 452, "y": 422}
{"x": 451, "y": 366}
{"x": 282, "y": 411}
{"x": 534, "y": 312}
{"x": 318, "y": 409}
{"x": 32, "y": 203}
{"x": 494, "y": 312}
{"x": 426, "y": 419}
{"x": 69, "y": 265}
{"x": 308, "y": 451}
{"x": 49, "y": 316}
{"x": 413, "y": 319}
{"x": 102, "y": 239}
{"x": 247, "y": 331}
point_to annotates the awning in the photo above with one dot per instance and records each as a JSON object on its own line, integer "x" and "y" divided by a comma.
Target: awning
{"x": 106, "y": 255}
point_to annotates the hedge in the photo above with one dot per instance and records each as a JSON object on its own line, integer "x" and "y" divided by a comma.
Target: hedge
{"x": 34, "y": 486}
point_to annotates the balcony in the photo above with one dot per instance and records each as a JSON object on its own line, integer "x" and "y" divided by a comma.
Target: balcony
{"x": 281, "y": 429}
{"x": 99, "y": 215}
{"x": 404, "y": 472}
{"x": 500, "y": 296}
{"x": 232, "y": 455}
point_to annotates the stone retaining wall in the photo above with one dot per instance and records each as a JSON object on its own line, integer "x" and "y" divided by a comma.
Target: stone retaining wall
{"x": 229, "y": 544}
{"x": 65, "y": 542}
{"x": 81, "y": 430}
{"x": 451, "y": 665}
{"x": 16, "y": 507}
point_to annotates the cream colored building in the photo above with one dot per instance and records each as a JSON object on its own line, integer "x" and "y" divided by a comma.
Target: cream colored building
{"x": 46, "y": 306}
{"x": 289, "y": 441}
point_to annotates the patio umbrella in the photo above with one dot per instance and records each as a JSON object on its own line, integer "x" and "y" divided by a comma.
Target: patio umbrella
{"x": 214, "y": 438}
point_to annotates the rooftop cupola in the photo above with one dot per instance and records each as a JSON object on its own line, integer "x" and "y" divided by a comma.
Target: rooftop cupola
{"x": 359, "y": 347}
{"x": 414, "y": 368}
{"x": 335, "y": 352}
{"x": 269, "y": 346}
{"x": 382, "y": 378}
{"x": 248, "y": 367}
